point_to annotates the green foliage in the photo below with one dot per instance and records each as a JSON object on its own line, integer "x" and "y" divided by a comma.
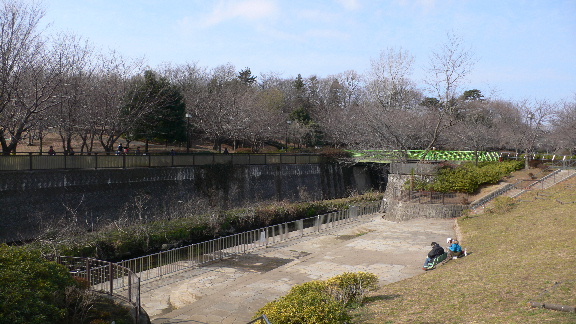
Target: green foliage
{"x": 163, "y": 110}
{"x": 467, "y": 177}
{"x": 301, "y": 115}
{"x": 32, "y": 290}
{"x": 472, "y": 95}
{"x": 321, "y": 301}
{"x": 306, "y": 303}
{"x": 245, "y": 76}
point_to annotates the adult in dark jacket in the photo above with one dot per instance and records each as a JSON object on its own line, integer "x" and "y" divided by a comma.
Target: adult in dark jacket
{"x": 437, "y": 250}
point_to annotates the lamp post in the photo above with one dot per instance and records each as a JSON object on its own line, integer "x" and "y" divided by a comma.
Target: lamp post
{"x": 529, "y": 139}
{"x": 288, "y": 122}
{"x": 188, "y": 116}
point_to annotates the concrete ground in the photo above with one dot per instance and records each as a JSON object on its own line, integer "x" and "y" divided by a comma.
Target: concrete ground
{"x": 232, "y": 290}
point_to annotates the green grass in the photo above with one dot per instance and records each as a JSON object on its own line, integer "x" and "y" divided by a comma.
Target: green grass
{"x": 522, "y": 255}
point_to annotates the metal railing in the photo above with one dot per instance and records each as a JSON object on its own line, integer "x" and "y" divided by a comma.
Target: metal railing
{"x": 99, "y": 161}
{"x": 481, "y": 202}
{"x": 191, "y": 256}
{"x": 106, "y": 277}
{"x": 522, "y": 186}
{"x": 559, "y": 161}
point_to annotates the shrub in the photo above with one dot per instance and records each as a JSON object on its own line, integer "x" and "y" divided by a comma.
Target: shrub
{"x": 306, "y": 303}
{"x": 321, "y": 301}
{"x": 32, "y": 290}
{"x": 351, "y": 288}
{"x": 468, "y": 177}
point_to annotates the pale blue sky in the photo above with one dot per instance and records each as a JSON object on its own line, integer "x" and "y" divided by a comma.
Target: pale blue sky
{"x": 525, "y": 49}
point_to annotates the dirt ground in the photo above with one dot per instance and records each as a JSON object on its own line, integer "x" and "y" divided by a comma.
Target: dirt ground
{"x": 54, "y": 140}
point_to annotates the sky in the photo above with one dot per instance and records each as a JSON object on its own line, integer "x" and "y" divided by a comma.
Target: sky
{"x": 523, "y": 49}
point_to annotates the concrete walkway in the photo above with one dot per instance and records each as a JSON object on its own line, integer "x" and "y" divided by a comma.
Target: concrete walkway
{"x": 231, "y": 291}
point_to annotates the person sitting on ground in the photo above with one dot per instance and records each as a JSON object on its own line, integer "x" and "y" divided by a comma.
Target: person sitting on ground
{"x": 455, "y": 249}
{"x": 436, "y": 251}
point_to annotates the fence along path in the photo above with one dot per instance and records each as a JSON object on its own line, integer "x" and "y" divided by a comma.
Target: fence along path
{"x": 106, "y": 277}
{"x": 167, "y": 262}
{"x": 102, "y": 161}
{"x": 514, "y": 190}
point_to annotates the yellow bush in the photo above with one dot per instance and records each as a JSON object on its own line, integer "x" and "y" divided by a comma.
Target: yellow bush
{"x": 351, "y": 287}
{"x": 320, "y": 301}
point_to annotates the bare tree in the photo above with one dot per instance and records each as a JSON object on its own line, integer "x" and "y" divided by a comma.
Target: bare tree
{"x": 115, "y": 77}
{"x": 21, "y": 49}
{"x": 536, "y": 118}
{"x": 343, "y": 99}
{"x": 74, "y": 58}
{"x": 390, "y": 114}
{"x": 564, "y": 123}
{"x": 448, "y": 68}
{"x": 475, "y": 128}
{"x": 214, "y": 107}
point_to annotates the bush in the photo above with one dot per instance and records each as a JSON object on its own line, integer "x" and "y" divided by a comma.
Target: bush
{"x": 306, "y": 303}
{"x": 321, "y": 301}
{"x": 350, "y": 288}
{"x": 469, "y": 177}
{"x": 32, "y": 290}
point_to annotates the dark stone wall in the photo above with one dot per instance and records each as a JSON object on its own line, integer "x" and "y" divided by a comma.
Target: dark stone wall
{"x": 32, "y": 201}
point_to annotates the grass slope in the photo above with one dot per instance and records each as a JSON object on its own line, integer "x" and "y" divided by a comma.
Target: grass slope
{"x": 522, "y": 255}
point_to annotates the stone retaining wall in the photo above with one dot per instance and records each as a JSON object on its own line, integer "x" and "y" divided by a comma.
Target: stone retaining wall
{"x": 400, "y": 210}
{"x": 32, "y": 201}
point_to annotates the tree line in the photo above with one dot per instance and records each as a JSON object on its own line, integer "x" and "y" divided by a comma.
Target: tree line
{"x": 61, "y": 84}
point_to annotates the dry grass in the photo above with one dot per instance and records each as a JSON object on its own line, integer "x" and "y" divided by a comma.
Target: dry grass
{"x": 518, "y": 257}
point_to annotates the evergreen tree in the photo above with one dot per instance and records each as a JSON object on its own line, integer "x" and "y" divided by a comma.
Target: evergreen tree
{"x": 246, "y": 77}
{"x": 164, "y": 119}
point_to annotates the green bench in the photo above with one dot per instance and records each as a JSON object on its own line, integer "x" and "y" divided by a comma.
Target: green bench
{"x": 431, "y": 265}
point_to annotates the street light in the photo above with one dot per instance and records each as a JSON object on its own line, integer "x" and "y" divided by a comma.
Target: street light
{"x": 188, "y": 116}
{"x": 289, "y": 122}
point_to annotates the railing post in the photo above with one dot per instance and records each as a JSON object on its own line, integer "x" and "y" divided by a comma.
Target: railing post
{"x": 88, "y": 272}
{"x": 110, "y": 267}
{"x": 129, "y": 287}
{"x": 30, "y": 162}
{"x": 160, "y": 264}
{"x": 123, "y": 160}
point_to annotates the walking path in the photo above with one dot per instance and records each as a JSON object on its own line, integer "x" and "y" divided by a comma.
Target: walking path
{"x": 232, "y": 290}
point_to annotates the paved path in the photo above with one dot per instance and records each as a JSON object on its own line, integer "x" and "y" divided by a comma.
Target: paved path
{"x": 231, "y": 291}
